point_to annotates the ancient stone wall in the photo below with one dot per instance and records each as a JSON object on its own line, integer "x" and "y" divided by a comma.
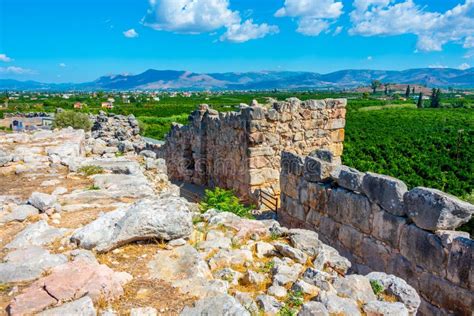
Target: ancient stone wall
{"x": 379, "y": 225}
{"x": 241, "y": 150}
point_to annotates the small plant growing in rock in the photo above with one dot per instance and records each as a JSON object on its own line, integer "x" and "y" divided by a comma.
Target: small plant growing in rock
{"x": 73, "y": 119}
{"x": 376, "y": 287}
{"x": 224, "y": 201}
{"x": 267, "y": 268}
{"x": 90, "y": 170}
{"x": 94, "y": 187}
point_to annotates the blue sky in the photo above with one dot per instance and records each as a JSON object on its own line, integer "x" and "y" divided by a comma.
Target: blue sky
{"x": 80, "y": 40}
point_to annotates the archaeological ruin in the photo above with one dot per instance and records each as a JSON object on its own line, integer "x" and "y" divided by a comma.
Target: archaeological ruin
{"x": 241, "y": 150}
{"x": 292, "y": 149}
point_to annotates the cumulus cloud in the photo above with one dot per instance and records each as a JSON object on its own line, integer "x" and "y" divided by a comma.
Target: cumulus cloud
{"x": 62, "y": 65}
{"x": 437, "y": 65}
{"x": 130, "y": 33}
{"x": 239, "y": 33}
{"x": 464, "y": 66}
{"x": 433, "y": 29}
{"x": 5, "y": 58}
{"x": 13, "y": 70}
{"x": 203, "y": 16}
{"x": 369, "y": 58}
{"x": 313, "y": 17}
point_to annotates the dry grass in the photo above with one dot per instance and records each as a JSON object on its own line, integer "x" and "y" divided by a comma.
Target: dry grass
{"x": 141, "y": 291}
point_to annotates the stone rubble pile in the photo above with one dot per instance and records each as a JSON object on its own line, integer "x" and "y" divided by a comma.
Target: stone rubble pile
{"x": 112, "y": 133}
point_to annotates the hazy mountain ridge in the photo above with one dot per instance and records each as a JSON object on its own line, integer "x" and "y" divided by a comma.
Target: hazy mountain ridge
{"x": 184, "y": 80}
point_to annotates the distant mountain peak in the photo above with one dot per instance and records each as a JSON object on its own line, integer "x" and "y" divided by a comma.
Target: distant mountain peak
{"x": 258, "y": 80}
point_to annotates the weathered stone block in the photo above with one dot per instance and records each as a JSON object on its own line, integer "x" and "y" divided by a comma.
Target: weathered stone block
{"x": 388, "y": 228}
{"x": 441, "y": 292}
{"x": 461, "y": 263}
{"x": 348, "y": 178}
{"x": 352, "y": 209}
{"x": 375, "y": 254}
{"x": 351, "y": 239}
{"x": 423, "y": 248}
{"x": 316, "y": 169}
{"x": 386, "y": 191}
{"x": 432, "y": 209}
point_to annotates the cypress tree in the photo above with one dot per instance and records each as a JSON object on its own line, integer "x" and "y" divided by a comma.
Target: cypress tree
{"x": 419, "y": 104}
{"x": 407, "y": 92}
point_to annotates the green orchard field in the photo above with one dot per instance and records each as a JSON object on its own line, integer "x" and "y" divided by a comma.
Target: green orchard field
{"x": 423, "y": 147}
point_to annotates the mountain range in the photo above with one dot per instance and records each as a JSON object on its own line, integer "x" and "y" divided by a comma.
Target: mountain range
{"x": 262, "y": 80}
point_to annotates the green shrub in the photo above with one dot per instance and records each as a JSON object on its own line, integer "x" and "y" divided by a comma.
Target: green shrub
{"x": 76, "y": 120}
{"x": 224, "y": 201}
{"x": 377, "y": 287}
{"x": 90, "y": 170}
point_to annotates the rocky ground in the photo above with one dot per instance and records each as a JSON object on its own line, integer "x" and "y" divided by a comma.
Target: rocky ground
{"x": 86, "y": 231}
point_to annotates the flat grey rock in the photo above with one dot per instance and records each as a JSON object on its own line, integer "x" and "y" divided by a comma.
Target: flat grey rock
{"x": 313, "y": 309}
{"x": 36, "y": 234}
{"x": 28, "y": 264}
{"x": 19, "y": 213}
{"x": 385, "y": 309}
{"x": 42, "y": 201}
{"x": 305, "y": 240}
{"x": 81, "y": 307}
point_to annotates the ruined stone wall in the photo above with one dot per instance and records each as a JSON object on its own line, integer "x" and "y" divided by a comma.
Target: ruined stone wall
{"x": 381, "y": 226}
{"x": 241, "y": 150}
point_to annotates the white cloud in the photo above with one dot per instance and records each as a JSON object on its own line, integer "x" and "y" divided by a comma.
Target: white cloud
{"x": 313, "y": 17}
{"x": 203, "y": 16}
{"x": 62, "y": 65}
{"x": 5, "y": 58}
{"x": 338, "y": 30}
{"x": 190, "y": 16}
{"x": 433, "y": 29}
{"x": 16, "y": 70}
{"x": 464, "y": 66}
{"x": 369, "y": 57}
{"x": 239, "y": 33}
{"x": 130, "y": 33}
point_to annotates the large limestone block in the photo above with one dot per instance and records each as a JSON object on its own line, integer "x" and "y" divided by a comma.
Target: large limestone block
{"x": 423, "y": 248}
{"x": 386, "y": 191}
{"x": 216, "y": 306}
{"x": 432, "y": 209}
{"x": 42, "y": 201}
{"x": 161, "y": 218}
{"x": 356, "y": 287}
{"x": 461, "y": 263}
{"x": 348, "y": 178}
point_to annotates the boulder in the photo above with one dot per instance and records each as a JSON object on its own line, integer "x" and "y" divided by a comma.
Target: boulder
{"x": 247, "y": 301}
{"x": 268, "y": 304}
{"x": 83, "y": 306}
{"x": 5, "y": 158}
{"x": 338, "y": 305}
{"x": 330, "y": 258}
{"x": 386, "y": 191}
{"x": 67, "y": 282}
{"x": 155, "y": 218}
{"x": 19, "y": 213}
{"x": 305, "y": 288}
{"x": 36, "y": 234}
{"x": 42, "y": 201}
{"x": 264, "y": 249}
{"x": 278, "y": 291}
{"x": 290, "y": 252}
{"x": 216, "y": 306}
{"x": 320, "y": 279}
{"x": 252, "y": 278}
{"x": 398, "y": 288}
{"x": 28, "y": 264}
{"x": 148, "y": 154}
{"x": 313, "y": 309}
{"x": 122, "y": 185}
{"x": 432, "y": 210}
{"x": 305, "y": 240}
{"x": 356, "y": 287}
{"x": 378, "y": 308}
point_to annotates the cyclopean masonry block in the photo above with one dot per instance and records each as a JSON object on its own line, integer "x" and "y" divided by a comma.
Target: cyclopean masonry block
{"x": 241, "y": 150}
{"x": 380, "y": 226}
